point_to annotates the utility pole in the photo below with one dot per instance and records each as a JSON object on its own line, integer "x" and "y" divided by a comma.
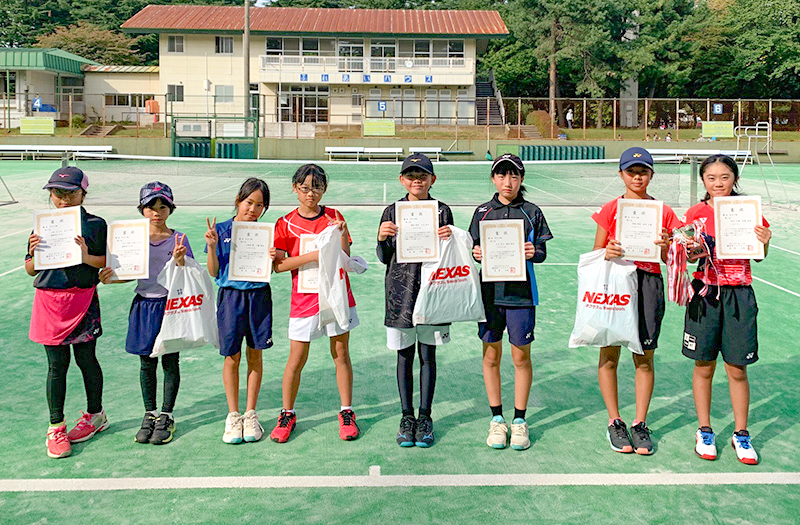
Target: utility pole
{"x": 246, "y": 57}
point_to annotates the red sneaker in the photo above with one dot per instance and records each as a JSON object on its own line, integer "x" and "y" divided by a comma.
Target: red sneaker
{"x": 57, "y": 443}
{"x": 282, "y": 431}
{"x": 348, "y": 430}
{"x": 88, "y": 425}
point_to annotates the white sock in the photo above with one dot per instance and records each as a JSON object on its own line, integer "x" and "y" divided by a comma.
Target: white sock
{"x": 291, "y": 411}
{"x": 345, "y": 408}
{"x": 169, "y": 414}
{"x": 153, "y": 412}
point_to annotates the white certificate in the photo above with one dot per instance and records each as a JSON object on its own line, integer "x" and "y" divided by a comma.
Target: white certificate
{"x": 128, "y": 249}
{"x": 250, "y": 244}
{"x": 308, "y": 274}
{"x": 735, "y": 219}
{"x": 57, "y": 247}
{"x": 638, "y": 227}
{"x": 503, "y": 250}
{"x": 417, "y": 231}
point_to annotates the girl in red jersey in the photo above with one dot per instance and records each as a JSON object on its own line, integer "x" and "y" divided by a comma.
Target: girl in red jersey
{"x": 309, "y": 219}
{"x": 721, "y": 317}
{"x": 636, "y": 171}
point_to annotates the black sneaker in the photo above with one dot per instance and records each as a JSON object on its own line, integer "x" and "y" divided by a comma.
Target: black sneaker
{"x": 640, "y": 437}
{"x": 618, "y": 437}
{"x": 165, "y": 427}
{"x": 148, "y": 424}
{"x": 424, "y": 433}
{"x": 405, "y": 436}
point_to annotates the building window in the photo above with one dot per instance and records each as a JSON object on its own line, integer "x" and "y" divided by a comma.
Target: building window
{"x": 422, "y": 48}
{"x": 304, "y": 104}
{"x": 175, "y": 92}
{"x": 223, "y": 94}
{"x": 224, "y": 45}
{"x": 174, "y": 44}
{"x": 132, "y": 100}
{"x": 356, "y": 100}
{"x": 455, "y": 48}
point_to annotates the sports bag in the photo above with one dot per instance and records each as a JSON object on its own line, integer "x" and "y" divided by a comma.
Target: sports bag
{"x": 607, "y": 313}
{"x": 450, "y": 289}
{"x": 190, "y": 318}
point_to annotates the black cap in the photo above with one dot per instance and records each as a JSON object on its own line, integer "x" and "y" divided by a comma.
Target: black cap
{"x": 69, "y": 178}
{"x": 511, "y": 159}
{"x": 417, "y": 161}
{"x": 155, "y": 190}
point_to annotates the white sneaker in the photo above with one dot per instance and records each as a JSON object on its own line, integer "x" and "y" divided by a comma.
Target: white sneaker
{"x": 744, "y": 449}
{"x": 498, "y": 433}
{"x": 519, "y": 434}
{"x": 253, "y": 431}
{"x": 233, "y": 428}
{"x": 705, "y": 444}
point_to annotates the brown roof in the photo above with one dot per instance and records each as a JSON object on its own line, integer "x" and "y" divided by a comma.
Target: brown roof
{"x": 191, "y": 18}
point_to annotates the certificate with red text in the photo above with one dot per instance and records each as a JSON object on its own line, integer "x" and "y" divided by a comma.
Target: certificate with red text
{"x": 735, "y": 219}
{"x": 503, "y": 250}
{"x": 128, "y": 249}
{"x": 638, "y": 228}
{"x": 57, "y": 247}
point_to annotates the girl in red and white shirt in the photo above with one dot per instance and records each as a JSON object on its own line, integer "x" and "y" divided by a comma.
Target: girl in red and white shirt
{"x": 721, "y": 316}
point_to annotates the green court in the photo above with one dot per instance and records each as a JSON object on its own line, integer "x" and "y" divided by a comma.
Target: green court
{"x": 568, "y": 475}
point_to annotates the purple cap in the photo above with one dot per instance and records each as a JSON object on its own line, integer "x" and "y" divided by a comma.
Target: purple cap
{"x": 510, "y": 159}
{"x": 69, "y": 178}
{"x": 155, "y": 190}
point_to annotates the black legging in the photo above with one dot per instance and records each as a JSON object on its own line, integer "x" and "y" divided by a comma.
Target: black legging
{"x": 172, "y": 380}
{"x": 58, "y": 362}
{"x": 427, "y": 378}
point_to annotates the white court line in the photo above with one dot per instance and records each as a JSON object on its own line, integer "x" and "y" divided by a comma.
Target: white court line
{"x": 26, "y": 230}
{"x": 376, "y": 480}
{"x": 12, "y": 270}
{"x": 781, "y": 288}
{"x": 771, "y": 246}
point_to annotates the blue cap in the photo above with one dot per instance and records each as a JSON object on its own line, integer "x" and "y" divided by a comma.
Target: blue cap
{"x": 417, "y": 161}
{"x": 68, "y": 178}
{"x": 155, "y": 190}
{"x": 633, "y": 156}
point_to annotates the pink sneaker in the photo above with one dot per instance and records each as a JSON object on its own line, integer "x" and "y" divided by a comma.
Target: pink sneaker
{"x": 57, "y": 443}
{"x": 88, "y": 425}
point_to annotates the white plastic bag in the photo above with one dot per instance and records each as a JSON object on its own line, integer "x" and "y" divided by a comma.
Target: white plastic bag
{"x": 190, "y": 319}
{"x": 334, "y": 305}
{"x": 450, "y": 289}
{"x": 607, "y": 312}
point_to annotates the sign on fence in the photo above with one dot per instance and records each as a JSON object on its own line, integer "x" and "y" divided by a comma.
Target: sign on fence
{"x": 720, "y": 129}
{"x": 383, "y": 127}
{"x": 37, "y": 126}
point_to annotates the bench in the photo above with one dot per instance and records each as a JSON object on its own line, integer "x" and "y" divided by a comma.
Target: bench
{"x": 34, "y": 151}
{"x": 429, "y": 151}
{"x": 344, "y": 152}
{"x": 383, "y": 153}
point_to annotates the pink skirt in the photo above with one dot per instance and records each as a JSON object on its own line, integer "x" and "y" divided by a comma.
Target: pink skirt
{"x": 57, "y": 313}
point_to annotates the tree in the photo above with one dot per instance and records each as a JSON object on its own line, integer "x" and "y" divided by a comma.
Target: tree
{"x": 94, "y": 43}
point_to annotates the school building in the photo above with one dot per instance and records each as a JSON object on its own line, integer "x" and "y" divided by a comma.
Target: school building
{"x": 310, "y": 65}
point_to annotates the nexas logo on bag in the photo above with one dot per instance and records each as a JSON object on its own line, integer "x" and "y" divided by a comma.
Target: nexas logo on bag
{"x": 187, "y": 303}
{"x": 606, "y": 301}
{"x": 450, "y": 273}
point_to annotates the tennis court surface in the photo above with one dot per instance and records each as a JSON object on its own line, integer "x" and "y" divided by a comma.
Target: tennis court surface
{"x": 568, "y": 475}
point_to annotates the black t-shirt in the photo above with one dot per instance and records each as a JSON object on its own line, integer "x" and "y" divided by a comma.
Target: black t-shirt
{"x": 403, "y": 279}
{"x": 512, "y": 293}
{"x": 93, "y": 230}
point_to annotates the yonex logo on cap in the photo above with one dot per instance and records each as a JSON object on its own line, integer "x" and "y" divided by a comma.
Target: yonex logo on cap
{"x": 637, "y": 155}
{"x": 62, "y": 175}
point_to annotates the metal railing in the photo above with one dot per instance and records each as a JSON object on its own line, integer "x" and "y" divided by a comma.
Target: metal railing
{"x": 346, "y": 64}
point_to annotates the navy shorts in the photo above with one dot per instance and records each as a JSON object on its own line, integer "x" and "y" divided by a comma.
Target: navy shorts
{"x": 244, "y": 314}
{"x": 519, "y": 322}
{"x": 144, "y": 323}
{"x": 651, "y": 307}
{"x": 727, "y": 325}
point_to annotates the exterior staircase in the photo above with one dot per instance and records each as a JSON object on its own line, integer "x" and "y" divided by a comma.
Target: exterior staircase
{"x": 484, "y": 91}
{"x": 531, "y": 132}
{"x": 96, "y": 130}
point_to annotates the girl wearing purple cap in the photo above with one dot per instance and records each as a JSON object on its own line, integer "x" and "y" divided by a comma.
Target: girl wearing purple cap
{"x": 66, "y": 311}
{"x": 147, "y": 314}
{"x": 636, "y": 172}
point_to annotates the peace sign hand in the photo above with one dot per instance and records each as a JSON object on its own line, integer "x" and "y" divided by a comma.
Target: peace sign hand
{"x": 179, "y": 251}
{"x": 212, "y": 238}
